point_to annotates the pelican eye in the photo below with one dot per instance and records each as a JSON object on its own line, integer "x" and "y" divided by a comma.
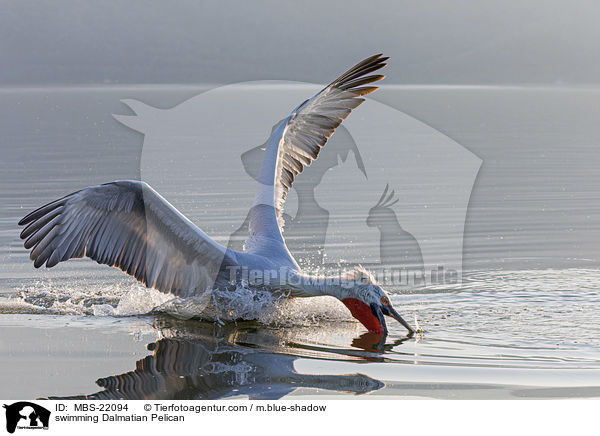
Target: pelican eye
{"x": 385, "y": 301}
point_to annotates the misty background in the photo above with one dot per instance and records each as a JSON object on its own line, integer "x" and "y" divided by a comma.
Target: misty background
{"x": 71, "y": 42}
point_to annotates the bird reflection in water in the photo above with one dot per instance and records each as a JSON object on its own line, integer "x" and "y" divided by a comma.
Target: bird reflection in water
{"x": 198, "y": 360}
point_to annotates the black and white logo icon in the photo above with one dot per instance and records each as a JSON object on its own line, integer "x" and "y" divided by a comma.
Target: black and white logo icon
{"x": 26, "y": 415}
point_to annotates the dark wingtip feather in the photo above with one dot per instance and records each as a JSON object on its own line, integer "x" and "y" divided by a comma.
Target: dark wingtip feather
{"x": 359, "y": 70}
{"x": 365, "y": 90}
{"x": 364, "y": 80}
{"x": 40, "y": 211}
{"x": 31, "y": 216}
{"x": 30, "y": 242}
{"x": 27, "y": 218}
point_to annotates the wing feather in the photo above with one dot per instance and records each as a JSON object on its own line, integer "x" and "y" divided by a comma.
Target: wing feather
{"x": 128, "y": 225}
{"x": 296, "y": 143}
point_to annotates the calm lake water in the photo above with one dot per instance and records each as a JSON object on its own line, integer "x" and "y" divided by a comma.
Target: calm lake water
{"x": 500, "y": 185}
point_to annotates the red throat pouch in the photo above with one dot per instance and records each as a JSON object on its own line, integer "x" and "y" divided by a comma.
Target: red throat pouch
{"x": 363, "y": 313}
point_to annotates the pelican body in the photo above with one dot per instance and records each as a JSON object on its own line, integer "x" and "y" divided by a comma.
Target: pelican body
{"x": 127, "y": 224}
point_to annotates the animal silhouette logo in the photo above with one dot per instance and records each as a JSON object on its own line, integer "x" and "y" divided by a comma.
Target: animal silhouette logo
{"x": 209, "y": 143}
{"x": 26, "y": 415}
{"x": 397, "y": 247}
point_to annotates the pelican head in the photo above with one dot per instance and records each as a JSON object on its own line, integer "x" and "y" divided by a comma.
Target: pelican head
{"x": 368, "y": 302}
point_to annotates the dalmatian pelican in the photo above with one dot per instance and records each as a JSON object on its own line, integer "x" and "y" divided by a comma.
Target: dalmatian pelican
{"x": 127, "y": 224}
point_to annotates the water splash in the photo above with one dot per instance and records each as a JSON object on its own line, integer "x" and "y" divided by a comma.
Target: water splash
{"x": 139, "y": 301}
{"x": 130, "y": 299}
{"x": 245, "y": 303}
{"x": 46, "y": 297}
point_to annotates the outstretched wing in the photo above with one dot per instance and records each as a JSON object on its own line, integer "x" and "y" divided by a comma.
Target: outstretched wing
{"x": 126, "y": 224}
{"x": 297, "y": 141}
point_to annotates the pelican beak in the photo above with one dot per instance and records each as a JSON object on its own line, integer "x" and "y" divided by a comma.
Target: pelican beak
{"x": 388, "y": 310}
{"x": 378, "y": 312}
{"x": 398, "y": 318}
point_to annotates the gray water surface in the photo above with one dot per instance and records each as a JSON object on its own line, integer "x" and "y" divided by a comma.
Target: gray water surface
{"x": 523, "y": 323}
